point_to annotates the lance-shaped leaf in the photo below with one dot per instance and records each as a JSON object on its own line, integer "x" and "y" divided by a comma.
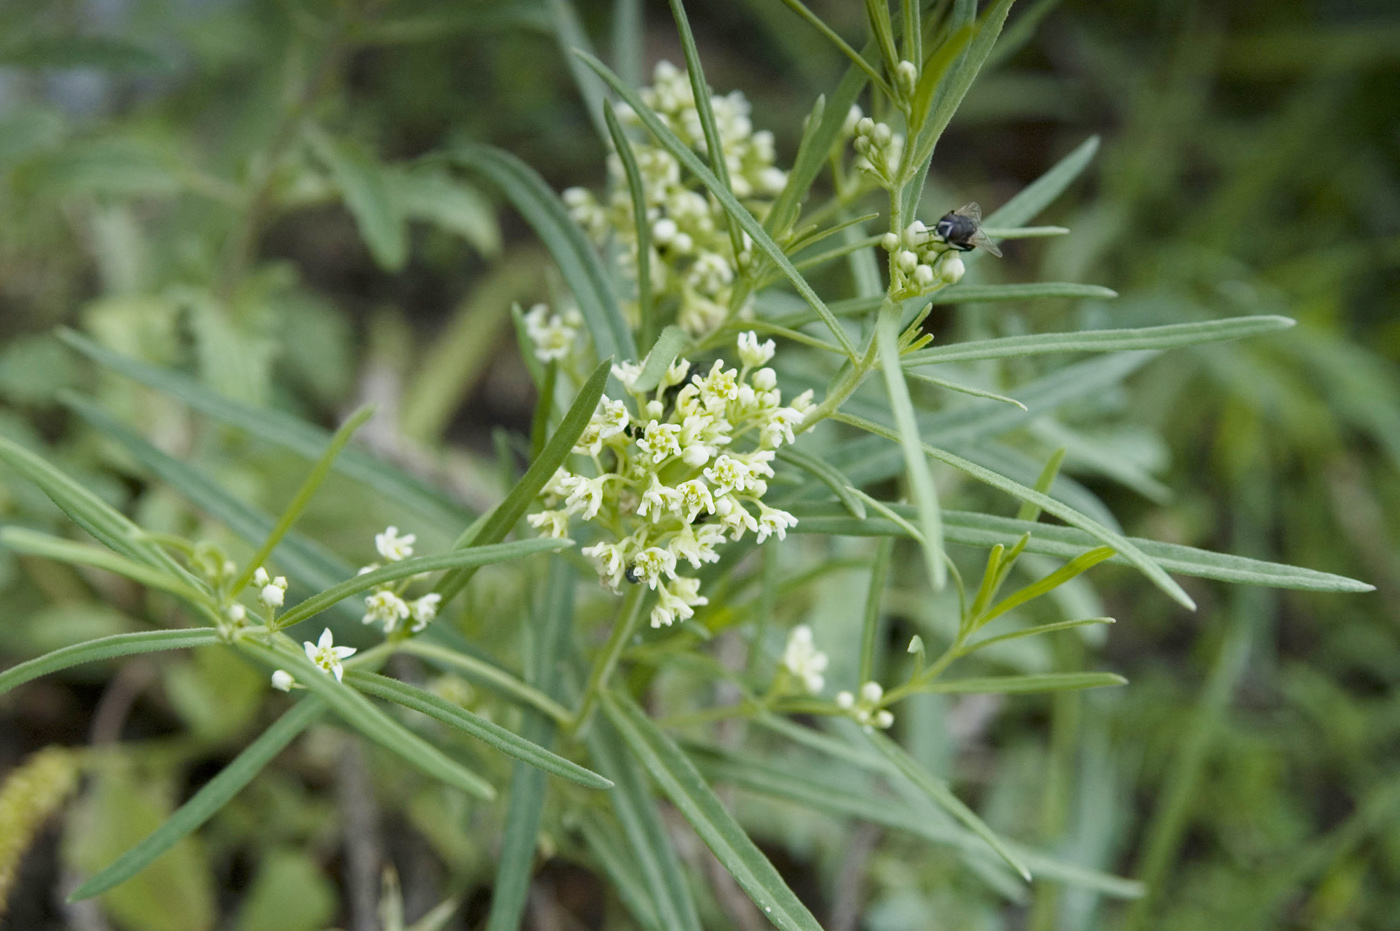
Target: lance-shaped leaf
{"x": 697, "y": 802}
{"x": 1023, "y": 685}
{"x": 145, "y": 641}
{"x": 696, "y": 166}
{"x": 578, "y": 263}
{"x": 34, "y": 543}
{"x": 212, "y": 796}
{"x": 828, "y": 475}
{"x": 361, "y": 714}
{"x": 500, "y": 521}
{"x": 668, "y": 345}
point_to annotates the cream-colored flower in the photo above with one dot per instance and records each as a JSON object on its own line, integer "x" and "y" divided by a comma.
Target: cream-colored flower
{"x": 385, "y": 607}
{"x": 804, "y": 661}
{"x": 424, "y": 610}
{"x": 325, "y": 654}
{"x": 392, "y": 546}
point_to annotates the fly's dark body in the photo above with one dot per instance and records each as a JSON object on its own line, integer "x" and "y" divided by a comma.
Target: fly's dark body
{"x": 631, "y": 575}
{"x": 961, "y": 229}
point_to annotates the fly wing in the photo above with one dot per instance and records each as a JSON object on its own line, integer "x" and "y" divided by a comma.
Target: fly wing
{"x": 971, "y": 211}
{"x": 981, "y": 240}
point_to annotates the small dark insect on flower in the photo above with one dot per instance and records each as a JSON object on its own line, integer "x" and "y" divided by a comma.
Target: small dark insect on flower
{"x": 962, "y": 229}
{"x": 631, "y": 575}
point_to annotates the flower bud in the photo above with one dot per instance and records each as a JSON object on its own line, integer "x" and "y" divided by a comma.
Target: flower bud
{"x": 952, "y": 269}
{"x": 906, "y": 76}
{"x": 906, "y": 261}
{"x": 889, "y": 242}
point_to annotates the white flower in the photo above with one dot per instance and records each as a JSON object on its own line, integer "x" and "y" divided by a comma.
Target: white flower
{"x": 753, "y": 353}
{"x": 675, "y": 373}
{"x": 237, "y": 614}
{"x": 658, "y": 500}
{"x": 734, "y": 518}
{"x": 554, "y": 523}
{"x": 553, "y": 336}
{"x": 677, "y": 601}
{"x": 695, "y": 497}
{"x": 386, "y": 607}
{"x": 728, "y": 474}
{"x": 696, "y": 545}
{"x": 804, "y": 660}
{"x": 325, "y": 654}
{"x": 612, "y": 418}
{"x": 588, "y": 494}
{"x": 424, "y": 610}
{"x": 626, "y": 373}
{"x": 661, "y": 440}
{"x": 282, "y": 680}
{"x": 780, "y": 425}
{"x": 651, "y": 564}
{"x": 392, "y": 546}
{"x": 773, "y": 521}
{"x": 611, "y": 559}
{"x": 719, "y": 387}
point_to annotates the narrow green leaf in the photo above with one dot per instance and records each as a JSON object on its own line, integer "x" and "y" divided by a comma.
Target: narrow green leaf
{"x": 695, "y": 166}
{"x": 661, "y": 873}
{"x": 1041, "y": 192}
{"x": 1159, "y": 337}
{"x": 697, "y": 802}
{"x": 578, "y": 263}
{"x": 1069, "y": 515}
{"x": 619, "y": 866}
{"x": 368, "y": 195}
{"x": 986, "y": 530}
{"x": 1025, "y": 232}
{"x": 518, "y": 501}
{"x": 277, "y": 428}
{"x": 1034, "y": 632}
{"x": 1073, "y": 568}
{"x": 915, "y": 462}
{"x": 932, "y": 71}
{"x": 942, "y": 796}
{"x": 487, "y": 673}
{"x": 1021, "y": 685}
{"x": 870, "y": 624}
{"x": 1043, "y": 484}
{"x": 433, "y": 196}
{"x": 964, "y": 389}
{"x": 641, "y": 219}
{"x": 107, "y": 525}
{"x": 569, "y": 31}
{"x": 211, "y": 797}
{"x": 472, "y": 557}
{"x": 668, "y": 345}
{"x": 21, "y": 540}
{"x": 361, "y": 714}
{"x": 959, "y": 294}
{"x": 303, "y": 496}
{"x": 496, "y": 736}
{"x": 877, "y": 14}
{"x": 828, "y": 475}
{"x": 146, "y": 641}
{"x": 856, "y": 58}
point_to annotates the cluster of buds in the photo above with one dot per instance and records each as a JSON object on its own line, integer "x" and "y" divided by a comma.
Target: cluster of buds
{"x": 692, "y": 261}
{"x": 385, "y": 604}
{"x": 552, "y": 335}
{"x": 878, "y": 151}
{"x": 668, "y": 483}
{"x": 922, "y": 262}
{"x": 865, "y": 708}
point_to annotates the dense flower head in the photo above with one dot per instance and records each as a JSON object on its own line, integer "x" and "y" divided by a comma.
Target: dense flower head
{"x": 693, "y": 261}
{"x": 675, "y": 474}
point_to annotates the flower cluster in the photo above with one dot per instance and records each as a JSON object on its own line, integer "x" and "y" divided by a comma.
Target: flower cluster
{"x": 803, "y": 661}
{"x": 669, "y": 482}
{"x": 693, "y": 262}
{"x": 878, "y": 150}
{"x": 922, "y": 261}
{"x": 865, "y": 708}
{"x": 385, "y": 604}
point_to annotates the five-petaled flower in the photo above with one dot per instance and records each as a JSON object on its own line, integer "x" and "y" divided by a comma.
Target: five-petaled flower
{"x": 325, "y": 654}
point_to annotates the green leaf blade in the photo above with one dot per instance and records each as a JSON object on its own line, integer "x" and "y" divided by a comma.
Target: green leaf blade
{"x": 146, "y": 641}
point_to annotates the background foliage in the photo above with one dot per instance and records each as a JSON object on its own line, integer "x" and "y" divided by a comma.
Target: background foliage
{"x": 1249, "y": 165}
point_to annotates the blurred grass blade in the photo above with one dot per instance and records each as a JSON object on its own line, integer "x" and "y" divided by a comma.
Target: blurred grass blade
{"x": 688, "y": 790}
{"x": 1022, "y": 685}
{"x": 622, "y": 871}
{"x": 1159, "y": 337}
{"x": 578, "y": 263}
{"x": 146, "y": 641}
{"x": 568, "y": 29}
{"x": 628, "y": 39}
{"x": 552, "y": 618}
{"x": 1069, "y": 515}
{"x": 211, "y": 797}
{"x": 1040, "y": 193}
{"x": 731, "y": 205}
{"x": 986, "y": 530}
{"x": 704, "y": 108}
{"x": 870, "y": 624}
{"x": 915, "y": 462}
{"x": 661, "y": 873}
{"x": 942, "y": 796}
{"x": 503, "y": 518}
{"x": 667, "y": 347}
{"x": 106, "y": 524}
{"x": 488, "y": 673}
{"x": 487, "y": 732}
{"x": 1036, "y": 631}
{"x": 640, "y": 218}
{"x": 279, "y": 429}
{"x": 22, "y": 540}
{"x": 360, "y": 713}
{"x": 828, "y": 475}
{"x": 303, "y": 496}
{"x": 473, "y": 557}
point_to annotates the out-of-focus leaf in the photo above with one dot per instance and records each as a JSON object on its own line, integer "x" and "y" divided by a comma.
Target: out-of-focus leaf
{"x": 370, "y": 195}
{"x": 78, "y": 51}
{"x": 289, "y": 892}
{"x": 432, "y": 195}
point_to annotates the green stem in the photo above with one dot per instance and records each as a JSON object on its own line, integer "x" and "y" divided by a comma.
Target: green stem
{"x": 606, "y": 662}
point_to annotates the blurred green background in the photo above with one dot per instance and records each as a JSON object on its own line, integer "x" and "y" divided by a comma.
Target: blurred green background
{"x": 156, "y": 193}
